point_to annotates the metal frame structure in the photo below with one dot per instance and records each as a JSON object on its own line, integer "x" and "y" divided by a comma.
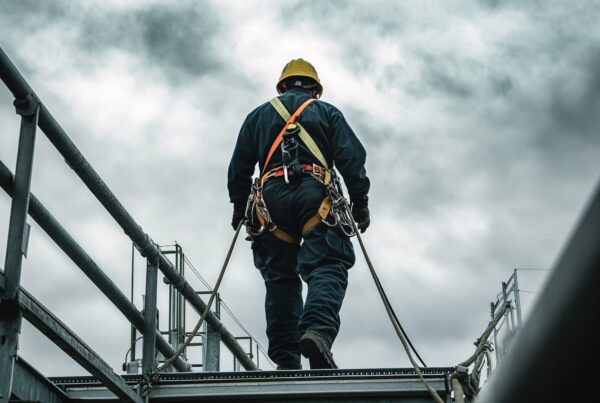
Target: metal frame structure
{"x": 465, "y": 382}
{"x": 176, "y": 300}
{"x": 512, "y": 319}
{"x": 550, "y": 359}
{"x": 15, "y": 303}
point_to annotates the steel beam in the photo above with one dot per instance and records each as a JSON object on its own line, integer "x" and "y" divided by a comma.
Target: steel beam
{"x": 67, "y": 340}
{"x": 59, "y": 138}
{"x": 62, "y": 238}
{"x": 29, "y": 385}
{"x": 550, "y": 359}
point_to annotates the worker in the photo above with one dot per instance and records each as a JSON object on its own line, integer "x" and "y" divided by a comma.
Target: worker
{"x": 297, "y": 244}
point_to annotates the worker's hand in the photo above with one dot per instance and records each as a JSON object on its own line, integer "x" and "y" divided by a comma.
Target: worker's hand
{"x": 362, "y": 217}
{"x": 238, "y": 215}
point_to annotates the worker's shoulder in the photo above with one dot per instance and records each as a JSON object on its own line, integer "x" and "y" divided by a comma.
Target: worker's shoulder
{"x": 326, "y": 106}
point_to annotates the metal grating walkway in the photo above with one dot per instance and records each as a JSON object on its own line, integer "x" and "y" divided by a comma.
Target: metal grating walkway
{"x": 352, "y": 385}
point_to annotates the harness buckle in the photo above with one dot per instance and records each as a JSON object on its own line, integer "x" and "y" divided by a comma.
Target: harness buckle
{"x": 285, "y": 175}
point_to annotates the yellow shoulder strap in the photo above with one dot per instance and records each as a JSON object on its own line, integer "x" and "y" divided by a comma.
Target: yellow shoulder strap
{"x": 304, "y": 136}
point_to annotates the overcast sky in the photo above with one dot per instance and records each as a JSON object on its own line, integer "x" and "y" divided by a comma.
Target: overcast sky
{"x": 480, "y": 120}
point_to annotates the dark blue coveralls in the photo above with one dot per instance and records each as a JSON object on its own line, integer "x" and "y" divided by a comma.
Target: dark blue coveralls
{"x": 326, "y": 254}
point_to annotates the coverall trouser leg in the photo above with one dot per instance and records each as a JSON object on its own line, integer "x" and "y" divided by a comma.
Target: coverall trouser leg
{"x": 276, "y": 261}
{"x": 322, "y": 261}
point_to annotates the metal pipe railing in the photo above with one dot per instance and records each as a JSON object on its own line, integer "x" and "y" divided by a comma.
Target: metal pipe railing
{"x": 72, "y": 249}
{"x": 75, "y": 159}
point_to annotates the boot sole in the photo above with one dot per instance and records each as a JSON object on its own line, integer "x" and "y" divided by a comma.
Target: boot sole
{"x": 319, "y": 358}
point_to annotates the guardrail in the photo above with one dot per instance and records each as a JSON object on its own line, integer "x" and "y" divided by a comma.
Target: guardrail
{"x": 546, "y": 358}
{"x": 34, "y": 114}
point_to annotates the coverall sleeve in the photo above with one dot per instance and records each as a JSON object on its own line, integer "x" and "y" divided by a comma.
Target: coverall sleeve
{"x": 349, "y": 157}
{"x": 241, "y": 167}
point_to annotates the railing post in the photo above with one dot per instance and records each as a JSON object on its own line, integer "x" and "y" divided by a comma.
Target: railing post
{"x": 493, "y": 311}
{"x": 28, "y": 108}
{"x": 509, "y": 318}
{"x": 16, "y": 248}
{"x": 149, "y": 353}
{"x": 133, "y": 329}
{"x": 211, "y": 349}
{"x": 518, "y": 302}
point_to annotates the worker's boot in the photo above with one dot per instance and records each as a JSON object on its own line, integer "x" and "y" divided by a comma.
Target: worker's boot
{"x": 314, "y": 347}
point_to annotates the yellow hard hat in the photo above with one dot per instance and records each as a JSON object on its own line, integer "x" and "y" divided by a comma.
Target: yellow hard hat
{"x": 299, "y": 68}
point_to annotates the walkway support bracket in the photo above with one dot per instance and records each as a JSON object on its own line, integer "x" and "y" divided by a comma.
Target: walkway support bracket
{"x": 31, "y": 386}
{"x": 43, "y": 320}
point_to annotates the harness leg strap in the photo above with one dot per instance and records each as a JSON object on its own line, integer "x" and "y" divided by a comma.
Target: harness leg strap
{"x": 322, "y": 214}
{"x": 284, "y": 236}
{"x": 279, "y": 233}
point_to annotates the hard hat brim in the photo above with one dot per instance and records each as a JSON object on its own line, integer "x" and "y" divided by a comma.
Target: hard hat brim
{"x": 281, "y": 89}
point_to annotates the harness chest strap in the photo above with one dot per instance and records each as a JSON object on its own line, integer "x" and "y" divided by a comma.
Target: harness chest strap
{"x": 323, "y": 175}
{"x": 279, "y": 138}
{"x": 304, "y": 136}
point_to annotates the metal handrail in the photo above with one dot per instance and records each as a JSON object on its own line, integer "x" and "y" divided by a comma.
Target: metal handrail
{"x": 15, "y": 82}
{"x": 78, "y": 255}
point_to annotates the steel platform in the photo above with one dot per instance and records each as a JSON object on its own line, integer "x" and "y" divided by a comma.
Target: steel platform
{"x": 347, "y": 385}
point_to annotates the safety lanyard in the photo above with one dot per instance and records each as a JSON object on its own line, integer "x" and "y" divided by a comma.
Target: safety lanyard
{"x": 279, "y": 137}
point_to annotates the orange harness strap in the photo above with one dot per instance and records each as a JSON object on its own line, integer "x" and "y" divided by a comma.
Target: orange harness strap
{"x": 279, "y": 137}
{"x": 325, "y": 206}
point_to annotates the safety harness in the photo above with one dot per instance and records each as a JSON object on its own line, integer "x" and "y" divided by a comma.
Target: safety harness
{"x": 331, "y": 210}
